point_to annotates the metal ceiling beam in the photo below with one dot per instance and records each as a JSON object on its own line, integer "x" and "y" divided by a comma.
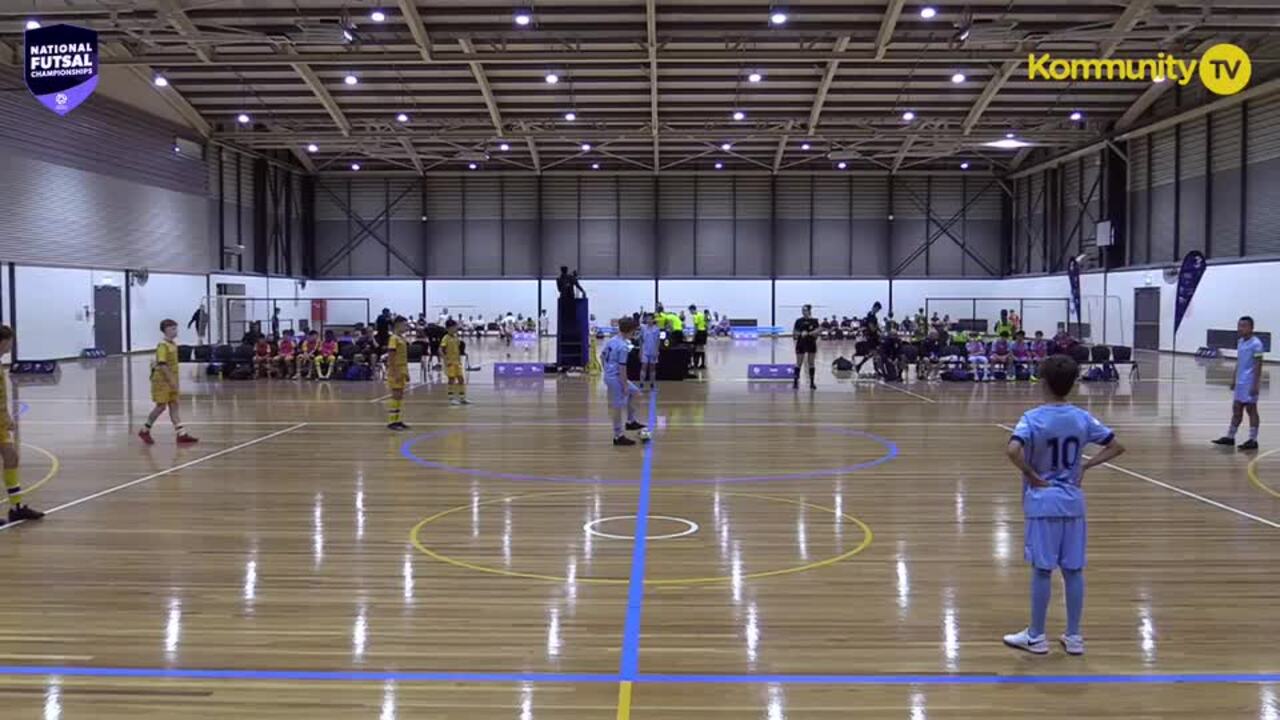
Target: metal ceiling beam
{"x": 322, "y": 94}
{"x": 413, "y": 154}
{"x": 1134, "y": 11}
{"x": 833, "y": 66}
{"x": 477, "y": 71}
{"x": 887, "y": 25}
{"x": 169, "y": 94}
{"x": 989, "y": 92}
{"x": 187, "y": 29}
{"x": 782, "y": 148}
{"x": 412, "y": 18}
{"x": 651, "y": 33}
{"x": 902, "y": 153}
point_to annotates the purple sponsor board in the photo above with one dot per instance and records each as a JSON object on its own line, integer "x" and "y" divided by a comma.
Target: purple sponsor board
{"x": 519, "y": 370}
{"x": 771, "y": 372}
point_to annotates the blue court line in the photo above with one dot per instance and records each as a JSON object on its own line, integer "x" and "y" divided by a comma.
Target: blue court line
{"x": 629, "y": 665}
{"x": 653, "y": 679}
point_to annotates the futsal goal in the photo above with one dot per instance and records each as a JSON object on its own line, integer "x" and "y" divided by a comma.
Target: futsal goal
{"x": 231, "y": 316}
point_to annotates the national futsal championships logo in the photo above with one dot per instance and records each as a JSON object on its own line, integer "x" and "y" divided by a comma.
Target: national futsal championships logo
{"x": 1224, "y": 69}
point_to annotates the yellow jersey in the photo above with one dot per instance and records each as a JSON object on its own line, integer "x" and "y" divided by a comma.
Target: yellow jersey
{"x": 4, "y": 395}
{"x": 451, "y": 348}
{"x": 399, "y": 358}
{"x": 166, "y": 354}
{"x": 699, "y": 322}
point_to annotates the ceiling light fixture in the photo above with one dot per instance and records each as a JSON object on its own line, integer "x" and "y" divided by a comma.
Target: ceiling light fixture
{"x": 928, "y": 13}
{"x": 504, "y": 147}
{"x": 355, "y": 167}
{"x": 571, "y": 116}
{"x": 908, "y": 116}
{"x": 778, "y": 16}
{"x": 804, "y": 146}
{"x": 161, "y": 81}
{"x": 586, "y": 147}
{"x": 1009, "y": 135}
{"x": 313, "y": 148}
{"x": 551, "y": 78}
{"x": 595, "y": 166}
{"x": 522, "y": 18}
{"x": 350, "y": 79}
{"x": 177, "y": 149}
{"x": 243, "y": 118}
{"x": 719, "y": 166}
{"x": 958, "y": 78}
{"x": 472, "y": 166}
{"x": 1008, "y": 143}
{"x": 964, "y": 166}
{"x": 33, "y": 24}
{"x": 739, "y": 115}
{"x": 378, "y": 16}
{"x": 402, "y": 118}
{"x": 1076, "y": 116}
{"x": 755, "y": 77}
{"x": 842, "y": 164}
{"x": 726, "y": 146}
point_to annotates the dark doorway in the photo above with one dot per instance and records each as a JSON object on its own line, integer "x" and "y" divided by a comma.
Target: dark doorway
{"x": 107, "y": 319}
{"x": 1146, "y": 318}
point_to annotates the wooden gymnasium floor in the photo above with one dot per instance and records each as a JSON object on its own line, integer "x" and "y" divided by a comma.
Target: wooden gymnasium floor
{"x": 857, "y": 554}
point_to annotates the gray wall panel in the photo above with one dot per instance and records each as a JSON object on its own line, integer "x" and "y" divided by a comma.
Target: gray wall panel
{"x": 483, "y": 247}
{"x": 715, "y": 247}
{"x": 1163, "y": 220}
{"x": 445, "y": 255}
{"x": 521, "y": 249}
{"x": 637, "y": 247}
{"x": 870, "y": 256}
{"x": 752, "y": 247}
{"x": 1262, "y": 219}
{"x": 831, "y": 247}
{"x": 676, "y": 245}
{"x": 599, "y": 246}
{"x": 1191, "y": 214}
{"x": 792, "y": 240}
{"x": 560, "y": 245}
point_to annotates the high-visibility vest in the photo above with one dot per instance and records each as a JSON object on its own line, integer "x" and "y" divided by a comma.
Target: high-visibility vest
{"x": 700, "y": 322}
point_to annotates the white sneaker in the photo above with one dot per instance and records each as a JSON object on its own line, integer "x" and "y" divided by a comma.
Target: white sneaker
{"x": 1073, "y": 644}
{"x": 463, "y": 401}
{"x": 454, "y": 402}
{"x": 1023, "y": 641}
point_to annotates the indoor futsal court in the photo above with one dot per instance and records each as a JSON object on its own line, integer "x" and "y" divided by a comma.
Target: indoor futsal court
{"x": 639, "y": 359}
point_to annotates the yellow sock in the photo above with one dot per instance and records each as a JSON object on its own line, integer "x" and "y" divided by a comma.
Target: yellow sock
{"x": 393, "y": 411}
{"x": 11, "y": 484}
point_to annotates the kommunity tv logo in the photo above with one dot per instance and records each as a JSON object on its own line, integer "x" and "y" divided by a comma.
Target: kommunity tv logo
{"x": 1223, "y": 69}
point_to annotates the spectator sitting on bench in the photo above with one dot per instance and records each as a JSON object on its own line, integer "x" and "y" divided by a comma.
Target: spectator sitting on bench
{"x": 1001, "y": 354}
{"x": 1021, "y": 350}
{"x": 328, "y": 356}
{"x": 307, "y": 355}
{"x": 284, "y": 359}
{"x": 262, "y": 360}
{"x": 1039, "y": 347}
{"x": 976, "y": 350}
{"x": 1063, "y": 342}
{"x": 930, "y": 359}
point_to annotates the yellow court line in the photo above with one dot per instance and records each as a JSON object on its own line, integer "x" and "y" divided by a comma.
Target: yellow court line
{"x": 624, "y": 700}
{"x": 53, "y": 469}
{"x": 1252, "y": 469}
{"x": 415, "y": 539}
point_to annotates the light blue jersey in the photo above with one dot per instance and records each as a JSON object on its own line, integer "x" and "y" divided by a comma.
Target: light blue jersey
{"x": 1053, "y": 438}
{"x": 1248, "y": 359}
{"x": 614, "y": 358}
{"x": 650, "y": 337}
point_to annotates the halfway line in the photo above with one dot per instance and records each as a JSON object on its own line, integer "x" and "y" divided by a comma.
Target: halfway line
{"x": 162, "y": 473}
{"x": 629, "y": 664}
{"x": 1180, "y": 491}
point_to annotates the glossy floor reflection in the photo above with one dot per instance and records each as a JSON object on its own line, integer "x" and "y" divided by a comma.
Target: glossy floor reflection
{"x": 854, "y": 551}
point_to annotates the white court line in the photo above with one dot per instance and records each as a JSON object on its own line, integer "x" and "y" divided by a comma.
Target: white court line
{"x": 162, "y": 473}
{"x": 882, "y": 383}
{"x": 1180, "y": 491}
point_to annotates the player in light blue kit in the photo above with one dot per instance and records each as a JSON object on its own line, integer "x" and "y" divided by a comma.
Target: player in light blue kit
{"x": 1046, "y": 446}
{"x": 650, "y": 340}
{"x": 1247, "y": 383}
{"x": 620, "y": 389}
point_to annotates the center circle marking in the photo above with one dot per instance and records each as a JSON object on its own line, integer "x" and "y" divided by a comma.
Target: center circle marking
{"x": 415, "y": 537}
{"x": 691, "y": 527}
{"x": 890, "y": 452}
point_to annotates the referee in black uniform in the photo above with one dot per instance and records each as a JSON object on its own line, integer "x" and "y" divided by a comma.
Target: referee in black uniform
{"x": 805, "y": 333}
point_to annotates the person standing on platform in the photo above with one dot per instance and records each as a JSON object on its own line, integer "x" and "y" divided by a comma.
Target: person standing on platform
{"x": 1246, "y": 386}
{"x": 805, "y": 334}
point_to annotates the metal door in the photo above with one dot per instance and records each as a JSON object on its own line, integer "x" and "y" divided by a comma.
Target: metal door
{"x": 1146, "y": 318}
{"x": 107, "y": 319}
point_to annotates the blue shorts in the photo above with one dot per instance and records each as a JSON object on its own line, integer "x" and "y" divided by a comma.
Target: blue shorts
{"x": 620, "y": 391}
{"x": 1056, "y": 542}
{"x": 1243, "y": 396}
{"x": 649, "y": 359}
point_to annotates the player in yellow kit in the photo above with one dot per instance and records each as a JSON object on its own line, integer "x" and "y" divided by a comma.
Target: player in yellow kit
{"x": 397, "y": 373}
{"x": 164, "y": 385}
{"x": 451, "y": 348}
{"x": 8, "y": 446}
